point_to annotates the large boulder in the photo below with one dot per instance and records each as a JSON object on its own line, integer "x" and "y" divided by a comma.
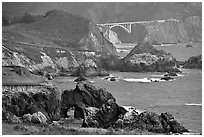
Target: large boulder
{"x": 84, "y": 95}
{"x": 106, "y": 116}
{"x": 38, "y": 118}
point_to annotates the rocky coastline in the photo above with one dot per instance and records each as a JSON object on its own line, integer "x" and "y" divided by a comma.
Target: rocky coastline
{"x": 38, "y": 51}
{"x": 91, "y": 106}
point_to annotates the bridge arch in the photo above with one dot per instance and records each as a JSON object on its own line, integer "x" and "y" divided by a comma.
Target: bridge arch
{"x": 127, "y": 28}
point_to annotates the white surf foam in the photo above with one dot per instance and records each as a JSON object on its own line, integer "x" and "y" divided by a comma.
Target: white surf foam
{"x": 193, "y": 104}
{"x": 157, "y": 75}
{"x": 137, "y": 80}
{"x": 179, "y": 75}
{"x": 143, "y": 80}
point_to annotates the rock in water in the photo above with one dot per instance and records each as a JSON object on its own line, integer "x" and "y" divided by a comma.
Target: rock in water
{"x": 107, "y": 115}
{"x": 84, "y": 95}
{"x": 145, "y": 58}
{"x": 170, "y": 74}
{"x": 167, "y": 78}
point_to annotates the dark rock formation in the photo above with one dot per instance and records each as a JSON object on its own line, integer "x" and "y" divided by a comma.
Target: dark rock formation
{"x": 170, "y": 74}
{"x": 43, "y": 99}
{"x": 167, "y": 78}
{"x": 107, "y": 115}
{"x": 10, "y": 117}
{"x": 84, "y": 95}
{"x": 188, "y": 46}
{"x": 111, "y": 78}
{"x": 171, "y": 125}
{"x": 193, "y": 62}
{"x": 150, "y": 121}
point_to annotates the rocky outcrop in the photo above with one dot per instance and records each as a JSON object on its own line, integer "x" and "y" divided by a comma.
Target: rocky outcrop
{"x": 143, "y": 58}
{"x": 89, "y": 69}
{"x": 43, "y": 100}
{"x": 194, "y": 62}
{"x": 47, "y": 60}
{"x": 131, "y": 118}
{"x": 107, "y": 115}
{"x": 150, "y": 121}
{"x": 84, "y": 95}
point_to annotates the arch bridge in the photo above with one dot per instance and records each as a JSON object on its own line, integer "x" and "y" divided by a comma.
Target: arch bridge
{"x": 128, "y": 25}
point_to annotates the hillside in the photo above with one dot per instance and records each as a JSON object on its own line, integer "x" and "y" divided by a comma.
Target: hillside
{"x": 188, "y": 13}
{"x": 58, "y": 41}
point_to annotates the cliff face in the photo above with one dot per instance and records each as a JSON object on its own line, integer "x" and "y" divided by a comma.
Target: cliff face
{"x": 167, "y": 31}
{"x": 55, "y": 43}
{"x": 98, "y": 40}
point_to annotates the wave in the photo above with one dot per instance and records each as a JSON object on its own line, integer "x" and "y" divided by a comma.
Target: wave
{"x": 193, "y": 104}
{"x": 143, "y": 80}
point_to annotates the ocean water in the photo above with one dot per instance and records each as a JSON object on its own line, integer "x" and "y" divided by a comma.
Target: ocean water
{"x": 181, "y": 97}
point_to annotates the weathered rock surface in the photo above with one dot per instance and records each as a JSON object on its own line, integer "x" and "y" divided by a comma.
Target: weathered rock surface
{"x": 37, "y": 118}
{"x": 89, "y": 69}
{"x": 32, "y": 100}
{"x": 150, "y": 121}
{"x": 83, "y": 96}
{"x": 104, "y": 117}
{"x": 10, "y": 117}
